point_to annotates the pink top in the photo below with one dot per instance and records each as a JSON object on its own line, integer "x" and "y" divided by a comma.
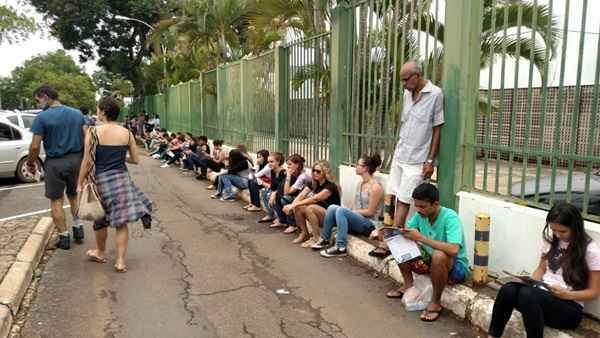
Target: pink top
{"x": 592, "y": 258}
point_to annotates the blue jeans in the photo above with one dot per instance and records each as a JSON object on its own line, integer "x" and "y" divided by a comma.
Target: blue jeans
{"x": 265, "y": 194}
{"x": 227, "y": 182}
{"x": 345, "y": 220}
{"x": 283, "y": 217}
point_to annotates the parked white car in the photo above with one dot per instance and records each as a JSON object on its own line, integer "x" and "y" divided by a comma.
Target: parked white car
{"x": 14, "y": 148}
{"x": 22, "y": 119}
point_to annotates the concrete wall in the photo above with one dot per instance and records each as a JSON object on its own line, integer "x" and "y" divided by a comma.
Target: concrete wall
{"x": 515, "y": 235}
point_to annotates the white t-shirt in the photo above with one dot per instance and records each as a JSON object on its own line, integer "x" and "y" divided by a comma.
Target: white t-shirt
{"x": 592, "y": 258}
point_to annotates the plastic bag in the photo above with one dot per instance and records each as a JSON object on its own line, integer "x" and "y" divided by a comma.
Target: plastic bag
{"x": 418, "y": 297}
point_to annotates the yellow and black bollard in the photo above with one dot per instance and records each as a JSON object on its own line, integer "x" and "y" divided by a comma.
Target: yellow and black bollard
{"x": 482, "y": 238}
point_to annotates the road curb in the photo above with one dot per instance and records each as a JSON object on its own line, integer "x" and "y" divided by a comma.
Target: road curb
{"x": 461, "y": 300}
{"x": 17, "y": 279}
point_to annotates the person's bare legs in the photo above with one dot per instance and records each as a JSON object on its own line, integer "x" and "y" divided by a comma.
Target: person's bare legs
{"x": 316, "y": 215}
{"x": 399, "y": 220}
{"x": 121, "y": 240}
{"x": 58, "y": 215}
{"x": 73, "y": 202}
{"x": 441, "y": 264}
{"x": 99, "y": 254}
{"x": 300, "y": 215}
{"x": 407, "y": 276}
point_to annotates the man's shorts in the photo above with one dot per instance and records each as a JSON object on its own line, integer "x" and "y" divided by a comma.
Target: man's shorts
{"x": 61, "y": 173}
{"x": 422, "y": 266}
{"x": 403, "y": 180}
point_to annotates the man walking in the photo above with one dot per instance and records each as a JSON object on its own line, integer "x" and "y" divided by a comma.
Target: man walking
{"x": 417, "y": 148}
{"x": 62, "y": 130}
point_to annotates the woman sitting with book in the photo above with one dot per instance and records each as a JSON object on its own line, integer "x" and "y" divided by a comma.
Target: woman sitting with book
{"x": 568, "y": 275}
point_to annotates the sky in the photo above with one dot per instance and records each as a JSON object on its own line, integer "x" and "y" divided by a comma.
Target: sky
{"x": 13, "y": 55}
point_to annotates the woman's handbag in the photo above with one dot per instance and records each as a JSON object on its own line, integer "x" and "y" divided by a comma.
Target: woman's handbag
{"x": 89, "y": 207}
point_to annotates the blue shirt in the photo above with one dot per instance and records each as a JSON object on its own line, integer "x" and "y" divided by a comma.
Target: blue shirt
{"x": 446, "y": 228}
{"x": 61, "y": 129}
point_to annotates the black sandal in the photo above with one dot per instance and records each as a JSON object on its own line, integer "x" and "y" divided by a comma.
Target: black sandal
{"x": 379, "y": 252}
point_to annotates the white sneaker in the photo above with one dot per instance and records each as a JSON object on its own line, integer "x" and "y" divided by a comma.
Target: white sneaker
{"x": 166, "y": 165}
{"x": 156, "y": 156}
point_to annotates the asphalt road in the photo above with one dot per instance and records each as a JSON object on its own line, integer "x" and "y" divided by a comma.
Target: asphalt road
{"x": 207, "y": 269}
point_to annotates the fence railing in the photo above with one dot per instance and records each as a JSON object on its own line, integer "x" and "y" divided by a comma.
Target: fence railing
{"x": 512, "y": 128}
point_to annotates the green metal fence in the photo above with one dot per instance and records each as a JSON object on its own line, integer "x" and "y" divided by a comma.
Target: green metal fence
{"x": 512, "y": 128}
{"x": 541, "y": 144}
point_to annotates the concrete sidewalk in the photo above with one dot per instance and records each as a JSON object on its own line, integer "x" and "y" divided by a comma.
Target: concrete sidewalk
{"x": 22, "y": 244}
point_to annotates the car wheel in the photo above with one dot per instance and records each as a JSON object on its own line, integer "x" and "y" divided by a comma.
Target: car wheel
{"x": 23, "y": 175}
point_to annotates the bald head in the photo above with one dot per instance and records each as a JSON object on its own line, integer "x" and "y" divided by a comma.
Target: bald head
{"x": 411, "y": 67}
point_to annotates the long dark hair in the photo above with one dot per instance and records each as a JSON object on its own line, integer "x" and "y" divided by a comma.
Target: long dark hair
{"x": 575, "y": 270}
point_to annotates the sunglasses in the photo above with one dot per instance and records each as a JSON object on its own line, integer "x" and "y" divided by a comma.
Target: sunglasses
{"x": 316, "y": 171}
{"x": 405, "y": 79}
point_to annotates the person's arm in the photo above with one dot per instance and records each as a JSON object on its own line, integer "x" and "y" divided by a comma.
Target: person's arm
{"x": 34, "y": 152}
{"x": 263, "y": 172}
{"x": 590, "y": 293}
{"x": 288, "y": 188}
{"x": 297, "y": 200}
{"x": 438, "y": 120}
{"x": 453, "y": 235}
{"x": 321, "y": 196}
{"x": 374, "y": 201}
{"x": 134, "y": 157}
{"x": 86, "y": 162}
{"x": 539, "y": 272}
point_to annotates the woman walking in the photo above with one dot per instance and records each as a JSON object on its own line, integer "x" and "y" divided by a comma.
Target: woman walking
{"x": 123, "y": 202}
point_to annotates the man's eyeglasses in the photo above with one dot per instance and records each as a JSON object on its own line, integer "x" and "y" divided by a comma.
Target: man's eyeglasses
{"x": 406, "y": 79}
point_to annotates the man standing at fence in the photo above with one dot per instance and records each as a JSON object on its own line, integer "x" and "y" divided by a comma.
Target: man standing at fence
{"x": 62, "y": 130}
{"x": 417, "y": 148}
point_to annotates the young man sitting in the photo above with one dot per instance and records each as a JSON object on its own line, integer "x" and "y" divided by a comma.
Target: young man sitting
{"x": 439, "y": 233}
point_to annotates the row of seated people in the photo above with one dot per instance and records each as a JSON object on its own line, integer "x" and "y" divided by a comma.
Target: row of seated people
{"x": 309, "y": 203}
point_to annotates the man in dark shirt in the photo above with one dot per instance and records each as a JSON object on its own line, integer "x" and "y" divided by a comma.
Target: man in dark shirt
{"x": 62, "y": 130}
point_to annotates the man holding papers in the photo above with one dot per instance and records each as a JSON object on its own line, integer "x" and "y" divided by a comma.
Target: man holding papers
{"x": 439, "y": 233}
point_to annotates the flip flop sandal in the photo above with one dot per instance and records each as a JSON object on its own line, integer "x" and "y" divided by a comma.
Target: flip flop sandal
{"x": 394, "y": 294}
{"x": 93, "y": 258}
{"x": 290, "y": 230}
{"x": 266, "y": 220}
{"x": 275, "y": 226}
{"x": 379, "y": 252}
{"x": 254, "y": 209}
{"x": 438, "y": 313}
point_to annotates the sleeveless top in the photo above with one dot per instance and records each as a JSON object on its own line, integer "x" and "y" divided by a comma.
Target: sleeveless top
{"x": 362, "y": 201}
{"x": 111, "y": 157}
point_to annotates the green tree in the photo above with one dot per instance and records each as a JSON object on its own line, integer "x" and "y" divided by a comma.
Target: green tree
{"x": 56, "y": 69}
{"x": 14, "y": 26}
{"x": 112, "y": 84}
{"x": 91, "y": 27}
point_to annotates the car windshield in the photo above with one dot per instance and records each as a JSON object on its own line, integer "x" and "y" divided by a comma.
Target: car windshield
{"x": 13, "y": 119}
{"x": 28, "y": 121}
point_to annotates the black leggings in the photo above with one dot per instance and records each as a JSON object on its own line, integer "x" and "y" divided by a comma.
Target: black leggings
{"x": 538, "y": 307}
{"x": 254, "y": 188}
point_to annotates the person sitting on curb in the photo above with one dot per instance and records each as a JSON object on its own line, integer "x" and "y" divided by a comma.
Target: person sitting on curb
{"x": 439, "y": 233}
{"x": 361, "y": 217}
{"x": 259, "y": 180}
{"x": 213, "y": 162}
{"x": 296, "y": 179}
{"x": 277, "y": 175}
{"x": 237, "y": 175}
{"x": 312, "y": 203}
{"x": 568, "y": 274}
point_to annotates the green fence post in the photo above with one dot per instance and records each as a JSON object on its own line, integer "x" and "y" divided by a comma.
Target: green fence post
{"x": 342, "y": 33}
{"x": 243, "y": 111}
{"x": 201, "y": 93}
{"x": 221, "y": 85}
{"x": 461, "y": 92}
{"x": 282, "y": 97}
